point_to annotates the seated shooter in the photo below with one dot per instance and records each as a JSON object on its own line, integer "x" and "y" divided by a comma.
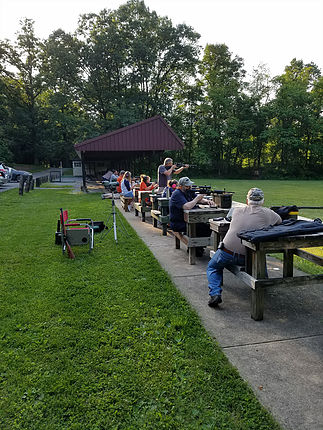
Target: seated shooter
{"x": 231, "y": 251}
{"x": 183, "y": 198}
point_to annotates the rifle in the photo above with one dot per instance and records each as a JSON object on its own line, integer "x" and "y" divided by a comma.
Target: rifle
{"x": 180, "y": 164}
{"x": 222, "y": 192}
{"x": 202, "y": 189}
{"x": 295, "y": 207}
{"x": 65, "y": 243}
{"x": 310, "y": 207}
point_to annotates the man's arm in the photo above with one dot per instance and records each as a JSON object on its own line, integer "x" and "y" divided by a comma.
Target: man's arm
{"x": 177, "y": 171}
{"x": 207, "y": 202}
{"x": 170, "y": 171}
{"x": 194, "y": 202}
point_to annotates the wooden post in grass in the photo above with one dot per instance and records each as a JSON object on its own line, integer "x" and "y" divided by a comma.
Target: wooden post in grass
{"x": 28, "y": 183}
{"x": 22, "y": 181}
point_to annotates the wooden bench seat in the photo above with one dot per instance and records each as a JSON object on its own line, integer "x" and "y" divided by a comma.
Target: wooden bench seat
{"x": 125, "y": 202}
{"x": 191, "y": 243}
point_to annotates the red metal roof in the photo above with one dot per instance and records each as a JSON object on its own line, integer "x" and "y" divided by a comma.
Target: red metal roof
{"x": 152, "y": 134}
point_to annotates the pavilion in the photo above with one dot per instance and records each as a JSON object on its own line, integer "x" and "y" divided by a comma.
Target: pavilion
{"x": 138, "y": 144}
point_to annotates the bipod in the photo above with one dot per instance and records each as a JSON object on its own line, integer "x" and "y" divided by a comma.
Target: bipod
{"x": 114, "y": 215}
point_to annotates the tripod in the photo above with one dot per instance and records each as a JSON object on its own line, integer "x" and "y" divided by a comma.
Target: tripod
{"x": 114, "y": 226}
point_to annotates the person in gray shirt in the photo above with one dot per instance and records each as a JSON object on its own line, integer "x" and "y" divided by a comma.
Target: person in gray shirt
{"x": 165, "y": 172}
{"x": 231, "y": 251}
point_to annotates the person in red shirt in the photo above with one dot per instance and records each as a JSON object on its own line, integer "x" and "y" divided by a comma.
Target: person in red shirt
{"x": 145, "y": 184}
{"x": 120, "y": 177}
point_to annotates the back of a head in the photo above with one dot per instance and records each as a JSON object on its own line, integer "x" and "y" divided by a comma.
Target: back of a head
{"x": 168, "y": 161}
{"x": 144, "y": 178}
{"x": 172, "y": 183}
{"x": 122, "y": 172}
{"x": 255, "y": 196}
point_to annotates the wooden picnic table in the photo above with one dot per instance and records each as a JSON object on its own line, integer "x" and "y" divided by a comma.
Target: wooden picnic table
{"x": 193, "y": 217}
{"x": 254, "y": 274}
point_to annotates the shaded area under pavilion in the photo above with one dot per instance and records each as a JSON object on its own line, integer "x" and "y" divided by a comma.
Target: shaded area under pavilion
{"x": 138, "y": 145}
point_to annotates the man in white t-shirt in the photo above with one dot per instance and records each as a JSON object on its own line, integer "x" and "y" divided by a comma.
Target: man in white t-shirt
{"x": 231, "y": 251}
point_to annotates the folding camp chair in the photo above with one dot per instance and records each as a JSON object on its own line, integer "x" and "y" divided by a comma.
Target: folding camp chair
{"x": 79, "y": 231}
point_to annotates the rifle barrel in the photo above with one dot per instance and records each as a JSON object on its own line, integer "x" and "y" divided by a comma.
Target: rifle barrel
{"x": 310, "y": 207}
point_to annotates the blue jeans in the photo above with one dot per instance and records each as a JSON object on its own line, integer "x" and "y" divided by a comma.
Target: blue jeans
{"x": 219, "y": 261}
{"x": 128, "y": 194}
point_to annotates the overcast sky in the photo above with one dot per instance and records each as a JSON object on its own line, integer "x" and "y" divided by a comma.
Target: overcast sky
{"x": 272, "y": 32}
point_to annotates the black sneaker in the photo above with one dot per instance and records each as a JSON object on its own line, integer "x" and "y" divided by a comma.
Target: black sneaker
{"x": 214, "y": 301}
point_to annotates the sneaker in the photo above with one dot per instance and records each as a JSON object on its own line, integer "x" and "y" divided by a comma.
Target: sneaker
{"x": 214, "y": 301}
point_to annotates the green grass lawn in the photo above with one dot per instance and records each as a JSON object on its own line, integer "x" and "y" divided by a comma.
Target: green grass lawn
{"x": 277, "y": 193}
{"x": 104, "y": 341}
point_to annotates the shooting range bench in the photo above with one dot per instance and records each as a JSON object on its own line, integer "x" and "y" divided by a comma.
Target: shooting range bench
{"x": 142, "y": 204}
{"x": 255, "y": 270}
{"x": 193, "y": 217}
{"x": 125, "y": 202}
{"x": 161, "y": 214}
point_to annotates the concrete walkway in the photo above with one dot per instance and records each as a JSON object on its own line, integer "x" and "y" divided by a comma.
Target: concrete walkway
{"x": 281, "y": 356}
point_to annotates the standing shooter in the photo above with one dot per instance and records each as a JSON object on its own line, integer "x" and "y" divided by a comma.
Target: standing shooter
{"x": 165, "y": 172}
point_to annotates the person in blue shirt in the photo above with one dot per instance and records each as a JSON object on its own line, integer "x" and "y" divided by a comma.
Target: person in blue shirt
{"x": 114, "y": 176}
{"x": 183, "y": 198}
{"x": 126, "y": 185}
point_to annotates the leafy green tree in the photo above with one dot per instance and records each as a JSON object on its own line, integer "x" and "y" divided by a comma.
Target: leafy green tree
{"x": 222, "y": 81}
{"x": 296, "y": 124}
{"x": 26, "y": 83}
{"x": 133, "y": 60}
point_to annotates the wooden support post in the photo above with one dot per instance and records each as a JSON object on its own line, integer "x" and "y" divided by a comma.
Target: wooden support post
{"x": 28, "y": 183}
{"x": 164, "y": 226}
{"x": 248, "y": 261}
{"x": 257, "y": 303}
{"x": 177, "y": 243}
{"x": 22, "y": 180}
{"x": 288, "y": 263}
{"x": 258, "y": 294}
{"x": 191, "y": 250}
{"x": 216, "y": 241}
{"x": 84, "y": 188}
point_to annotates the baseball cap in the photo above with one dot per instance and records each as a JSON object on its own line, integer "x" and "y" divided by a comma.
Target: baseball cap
{"x": 255, "y": 194}
{"x": 185, "y": 181}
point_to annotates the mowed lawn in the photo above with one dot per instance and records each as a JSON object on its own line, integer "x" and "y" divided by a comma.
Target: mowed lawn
{"x": 104, "y": 341}
{"x": 277, "y": 192}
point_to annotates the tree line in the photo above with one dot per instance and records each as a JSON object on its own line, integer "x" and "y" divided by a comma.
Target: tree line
{"x": 125, "y": 65}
